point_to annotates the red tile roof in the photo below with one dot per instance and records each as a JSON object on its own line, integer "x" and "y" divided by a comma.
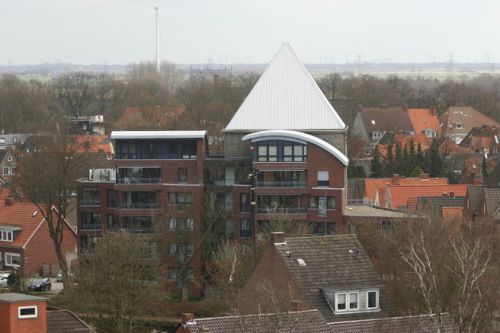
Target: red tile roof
{"x": 399, "y": 196}
{"x": 422, "y": 119}
{"x": 452, "y": 214}
{"x": 373, "y": 184}
{"x": 21, "y": 214}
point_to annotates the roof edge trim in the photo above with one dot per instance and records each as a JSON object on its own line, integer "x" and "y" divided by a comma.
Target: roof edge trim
{"x": 274, "y": 134}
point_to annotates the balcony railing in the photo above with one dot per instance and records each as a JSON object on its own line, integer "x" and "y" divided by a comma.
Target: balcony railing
{"x": 281, "y": 210}
{"x": 139, "y": 205}
{"x": 134, "y": 230}
{"x": 134, "y": 156}
{"x": 90, "y": 227}
{"x": 130, "y": 180}
{"x": 281, "y": 183}
{"x": 90, "y": 203}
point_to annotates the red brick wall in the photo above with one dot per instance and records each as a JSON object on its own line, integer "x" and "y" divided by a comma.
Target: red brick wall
{"x": 270, "y": 278}
{"x": 10, "y": 323}
{"x": 40, "y": 249}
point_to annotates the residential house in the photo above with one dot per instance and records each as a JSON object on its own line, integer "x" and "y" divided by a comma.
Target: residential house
{"x": 20, "y": 313}
{"x": 332, "y": 274}
{"x": 8, "y": 165}
{"x": 284, "y": 159}
{"x": 405, "y": 197}
{"x": 457, "y": 122}
{"x": 358, "y": 216}
{"x": 25, "y": 243}
{"x": 12, "y": 141}
{"x": 280, "y": 322}
{"x": 88, "y": 125}
{"x": 448, "y": 208}
{"x": 425, "y": 120}
{"x": 483, "y": 140}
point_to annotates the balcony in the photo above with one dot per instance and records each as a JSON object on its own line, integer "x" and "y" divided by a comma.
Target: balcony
{"x": 281, "y": 210}
{"x": 138, "y": 180}
{"x": 90, "y": 227}
{"x": 139, "y": 205}
{"x": 139, "y": 230}
{"x": 280, "y": 183}
{"x": 95, "y": 202}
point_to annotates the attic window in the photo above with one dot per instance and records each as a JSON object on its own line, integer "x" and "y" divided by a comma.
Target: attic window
{"x": 459, "y": 126}
{"x": 301, "y": 262}
{"x": 6, "y": 235}
{"x": 373, "y": 122}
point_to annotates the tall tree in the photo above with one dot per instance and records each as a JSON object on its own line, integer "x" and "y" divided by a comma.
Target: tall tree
{"x": 47, "y": 177}
{"x": 76, "y": 93}
{"x": 376, "y": 165}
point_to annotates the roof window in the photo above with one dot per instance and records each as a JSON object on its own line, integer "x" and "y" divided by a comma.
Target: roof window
{"x": 301, "y": 262}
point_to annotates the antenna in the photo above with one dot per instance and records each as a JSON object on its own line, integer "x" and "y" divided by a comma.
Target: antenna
{"x": 157, "y": 38}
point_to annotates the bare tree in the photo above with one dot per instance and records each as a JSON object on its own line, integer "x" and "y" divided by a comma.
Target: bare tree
{"x": 75, "y": 93}
{"x": 47, "y": 176}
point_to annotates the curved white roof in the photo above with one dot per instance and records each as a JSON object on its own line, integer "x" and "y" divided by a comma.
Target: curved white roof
{"x": 297, "y": 137}
{"x": 285, "y": 97}
{"x": 158, "y": 134}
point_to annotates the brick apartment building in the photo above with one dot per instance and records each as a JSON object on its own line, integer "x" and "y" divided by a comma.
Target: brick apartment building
{"x": 284, "y": 158}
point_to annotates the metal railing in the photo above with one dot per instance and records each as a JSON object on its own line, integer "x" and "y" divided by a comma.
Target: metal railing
{"x": 281, "y": 183}
{"x": 133, "y": 180}
{"x": 139, "y": 205}
{"x": 90, "y": 227}
{"x": 281, "y": 210}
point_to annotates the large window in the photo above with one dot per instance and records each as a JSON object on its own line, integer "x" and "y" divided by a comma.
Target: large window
{"x": 180, "y": 199}
{"x": 269, "y": 204}
{"x": 155, "y": 149}
{"x": 323, "y": 178}
{"x": 91, "y": 196}
{"x": 282, "y": 178}
{"x": 244, "y": 202}
{"x": 139, "y": 200}
{"x": 138, "y": 224}
{"x": 280, "y": 151}
{"x": 90, "y": 221}
{"x": 245, "y": 228}
{"x": 180, "y": 224}
{"x": 139, "y": 175}
{"x": 12, "y": 259}
{"x": 322, "y": 204}
{"x": 25, "y": 312}
{"x": 182, "y": 175}
{"x": 322, "y": 228}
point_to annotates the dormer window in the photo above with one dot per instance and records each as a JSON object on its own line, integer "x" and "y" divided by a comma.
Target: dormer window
{"x": 6, "y": 235}
{"x": 353, "y": 301}
{"x": 342, "y": 300}
{"x": 372, "y": 299}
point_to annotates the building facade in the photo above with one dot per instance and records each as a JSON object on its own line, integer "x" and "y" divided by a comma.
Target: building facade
{"x": 284, "y": 160}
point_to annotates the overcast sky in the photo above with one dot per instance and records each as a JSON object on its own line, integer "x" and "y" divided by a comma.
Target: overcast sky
{"x": 248, "y": 31}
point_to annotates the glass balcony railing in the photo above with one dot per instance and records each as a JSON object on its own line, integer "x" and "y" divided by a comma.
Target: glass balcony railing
{"x": 281, "y": 210}
{"x": 281, "y": 183}
{"x": 139, "y": 205}
{"x": 95, "y": 202}
{"x": 90, "y": 227}
{"x": 146, "y": 230}
{"x": 134, "y": 180}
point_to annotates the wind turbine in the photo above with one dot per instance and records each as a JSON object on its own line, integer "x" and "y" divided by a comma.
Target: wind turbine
{"x": 157, "y": 38}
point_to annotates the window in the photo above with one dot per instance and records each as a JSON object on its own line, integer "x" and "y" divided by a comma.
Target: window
{"x": 340, "y": 302}
{"x": 343, "y": 300}
{"x": 12, "y": 259}
{"x": 6, "y": 235}
{"x": 322, "y": 204}
{"x": 9, "y": 158}
{"x": 111, "y": 196}
{"x": 180, "y": 198}
{"x": 182, "y": 175}
{"x": 386, "y": 225}
{"x": 172, "y": 249}
{"x": 323, "y": 178}
{"x": 111, "y": 220}
{"x": 90, "y": 221}
{"x": 24, "y": 312}
{"x": 353, "y": 301}
{"x": 180, "y": 224}
{"x": 372, "y": 299}
{"x": 91, "y": 196}
{"x": 459, "y": 126}
{"x": 12, "y": 171}
{"x": 6, "y": 171}
{"x": 280, "y": 151}
{"x": 245, "y": 228}
{"x": 322, "y": 228}
{"x": 244, "y": 202}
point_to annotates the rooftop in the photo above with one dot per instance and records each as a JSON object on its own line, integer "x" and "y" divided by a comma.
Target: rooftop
{"x": 285, "y": 97}
{"x": 371, "y": 211}
{"x": 16, "y": 297}
{"x": 397, "y": 196}
{"x": 394, "y": 119}
{"x": 65, "y": 321}
{"x": 158, "y": 135}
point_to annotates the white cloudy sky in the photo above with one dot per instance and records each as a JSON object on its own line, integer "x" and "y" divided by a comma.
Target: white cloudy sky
{"x": 242, "y": 31}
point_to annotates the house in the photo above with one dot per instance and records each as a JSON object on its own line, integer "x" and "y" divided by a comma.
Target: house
{"x": 374, "y": 188}
{"x": 25, "y": 243}
{"x": 483, "y": 140}
{"x": 12, "y": 141}
{"x": 457, "y": 122}
{"x": 371, "y": 124}
{"x": 404, "y": 197}
{"x": 356, "y": 216}
{"x": 281, "y": 322}
{"x": 8, "y": 165}
{"x": 20, "y": 313}
{"x": 332, "y": 274}
{"x": 443, "y": 323}
{"x": 449, "y": 208}
{"x": 425, "y": 120}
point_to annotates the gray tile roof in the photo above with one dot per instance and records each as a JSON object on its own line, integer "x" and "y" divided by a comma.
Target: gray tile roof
{"x": 409, "y": 324}
{"x": 433, "y": 205}
{"x": 475, "y": 194}
{"x": 16, "y": 297}
{"x": 377, "y": 212}
{"x": 65, "y": 321}
{"x": 332, "y": 262}
{"x": 492, "y": 200}
{"x": 394, "y": 119}
{"x": 300, "y": 321}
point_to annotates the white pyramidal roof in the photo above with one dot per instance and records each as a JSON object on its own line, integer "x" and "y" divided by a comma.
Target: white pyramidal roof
{"x": 285, "y": 97}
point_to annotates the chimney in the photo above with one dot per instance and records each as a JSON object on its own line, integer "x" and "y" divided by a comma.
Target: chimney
{"x": 277, "y": 237}
{"x": 185, "y": 317}
{"x": 395, "y": 179}
{"x": 433, "y": 110}
{"x": 424, "y": 176}
{"x": 9, "y": 201}
{"x": 297, "y": 305}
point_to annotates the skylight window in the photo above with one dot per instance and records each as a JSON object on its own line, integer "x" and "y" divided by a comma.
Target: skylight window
{"x": 373, "y": 122}
{"x": 301, "y": 262}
